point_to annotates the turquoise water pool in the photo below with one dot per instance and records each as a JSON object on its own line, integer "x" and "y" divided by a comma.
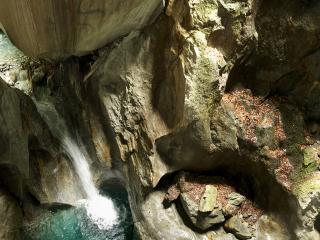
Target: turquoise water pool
{"x": 74, "y": 224}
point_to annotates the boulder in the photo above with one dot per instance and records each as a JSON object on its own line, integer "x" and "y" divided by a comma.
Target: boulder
{"x": 57, "y": 29}
{"x": 208, "y": 199}
{"x": 202, "y": 220}
{"x": 238, "y": 227}
{"x": 236, "y": 199}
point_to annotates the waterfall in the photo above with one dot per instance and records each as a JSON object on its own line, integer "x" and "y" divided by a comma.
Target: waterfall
{"x": 81, "y": 167}
{"x": 99, "y": 208}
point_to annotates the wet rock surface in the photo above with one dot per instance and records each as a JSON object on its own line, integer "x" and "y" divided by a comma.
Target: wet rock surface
{"x": 210, "y": 113}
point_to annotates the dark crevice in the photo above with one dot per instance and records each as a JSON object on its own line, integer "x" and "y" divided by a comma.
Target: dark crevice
{"x": 317, "y": 224}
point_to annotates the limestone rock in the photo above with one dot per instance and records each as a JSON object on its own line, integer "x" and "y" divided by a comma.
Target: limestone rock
{"x": 210, "y": 219}
{"x": 164, "y": 222}
{"x": 238, "y": 227}
{"x": 208, "y": 199}
{"x": 190, "y": 206}
{"x": 233, "y": 204}
{"x": 63, "y": 28}
{"x": 311, "y": 157}
{"x": 202, "y": 220}
{"x": 53, "y": 179}
{"x": 194, "y": 91}
{"x": 235, "y": 199}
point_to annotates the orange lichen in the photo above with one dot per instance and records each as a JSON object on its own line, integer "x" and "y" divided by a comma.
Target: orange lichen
{"x": 250, "y": 212}
{"x": 276, "y": 154}
{"x": 283, "y": 173}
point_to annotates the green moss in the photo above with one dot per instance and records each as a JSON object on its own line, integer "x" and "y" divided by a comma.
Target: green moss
{"x": 207, "y": 87}
{"x": 204, "y": 88}
{"x": 205, "y": 11}
{"x": 308, "y": 166}
{"x": 310, "y": 156}
{"x": 311, "y": 184}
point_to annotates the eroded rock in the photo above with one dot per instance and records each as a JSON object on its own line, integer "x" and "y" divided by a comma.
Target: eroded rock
{"x": 76, "y": 28}
{"x": 238, "y": 227}
{"x": 154, "y": 103}
{"x": 208, "y": 199}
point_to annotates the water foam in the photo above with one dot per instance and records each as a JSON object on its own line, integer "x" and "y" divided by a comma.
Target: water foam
{"x": 101, "y": 212}
{"x": 100, "y": 209}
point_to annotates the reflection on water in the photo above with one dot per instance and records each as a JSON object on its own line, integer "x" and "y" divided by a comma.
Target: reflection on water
{"x": 75, "y": 224}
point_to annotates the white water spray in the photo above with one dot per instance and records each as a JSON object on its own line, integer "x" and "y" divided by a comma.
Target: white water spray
{"x": 100, "y": 209}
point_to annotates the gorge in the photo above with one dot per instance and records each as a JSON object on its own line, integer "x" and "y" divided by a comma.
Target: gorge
{"x": 151, "y": 119}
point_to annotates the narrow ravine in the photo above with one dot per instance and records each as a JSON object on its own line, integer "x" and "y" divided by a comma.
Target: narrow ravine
{"x": 100, "y": 211}
{"x": 160, "y": 120}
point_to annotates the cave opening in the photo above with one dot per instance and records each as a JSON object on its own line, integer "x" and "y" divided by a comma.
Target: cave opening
{"x": 263, "y": 194}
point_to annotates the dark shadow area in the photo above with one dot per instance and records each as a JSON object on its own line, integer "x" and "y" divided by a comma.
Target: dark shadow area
{"x": 249, "y": 178}
{"x": 11, "y": 179}
{"x": 168, "y": 85}
{"x": 317, "y": 224}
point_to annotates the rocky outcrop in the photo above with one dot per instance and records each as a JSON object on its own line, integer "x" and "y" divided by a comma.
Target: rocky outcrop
{"x": 162, "y": 91}
{"x": 210, "y": 112}
{"x": 58, "y": 29}
{"x": 37, "y": 166}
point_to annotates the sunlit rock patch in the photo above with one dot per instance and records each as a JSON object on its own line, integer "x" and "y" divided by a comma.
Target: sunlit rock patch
{"x": 225, "y": 206}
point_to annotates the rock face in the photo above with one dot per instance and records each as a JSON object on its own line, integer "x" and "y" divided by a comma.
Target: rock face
{"x": 210, "y": 113}
{"x": 37, "y": 165}
{"x": 31, "y": 158}
{"x": 208, "y": 199}
{"x": 11, "y": 217}
{"x": 176, "y": 98}
{"x": 57, "y": 29}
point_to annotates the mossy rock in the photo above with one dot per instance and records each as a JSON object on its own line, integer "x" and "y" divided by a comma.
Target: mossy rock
{"x": 311, "y": 156}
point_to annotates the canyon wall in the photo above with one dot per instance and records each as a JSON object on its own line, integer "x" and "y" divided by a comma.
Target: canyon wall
{"x": 210, "y": 112}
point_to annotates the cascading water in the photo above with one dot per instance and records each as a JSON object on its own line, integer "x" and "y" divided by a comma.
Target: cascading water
{"x": 99, "y": 208}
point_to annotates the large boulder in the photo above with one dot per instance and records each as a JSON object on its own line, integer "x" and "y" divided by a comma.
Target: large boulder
{"x": 53, "y": 28}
